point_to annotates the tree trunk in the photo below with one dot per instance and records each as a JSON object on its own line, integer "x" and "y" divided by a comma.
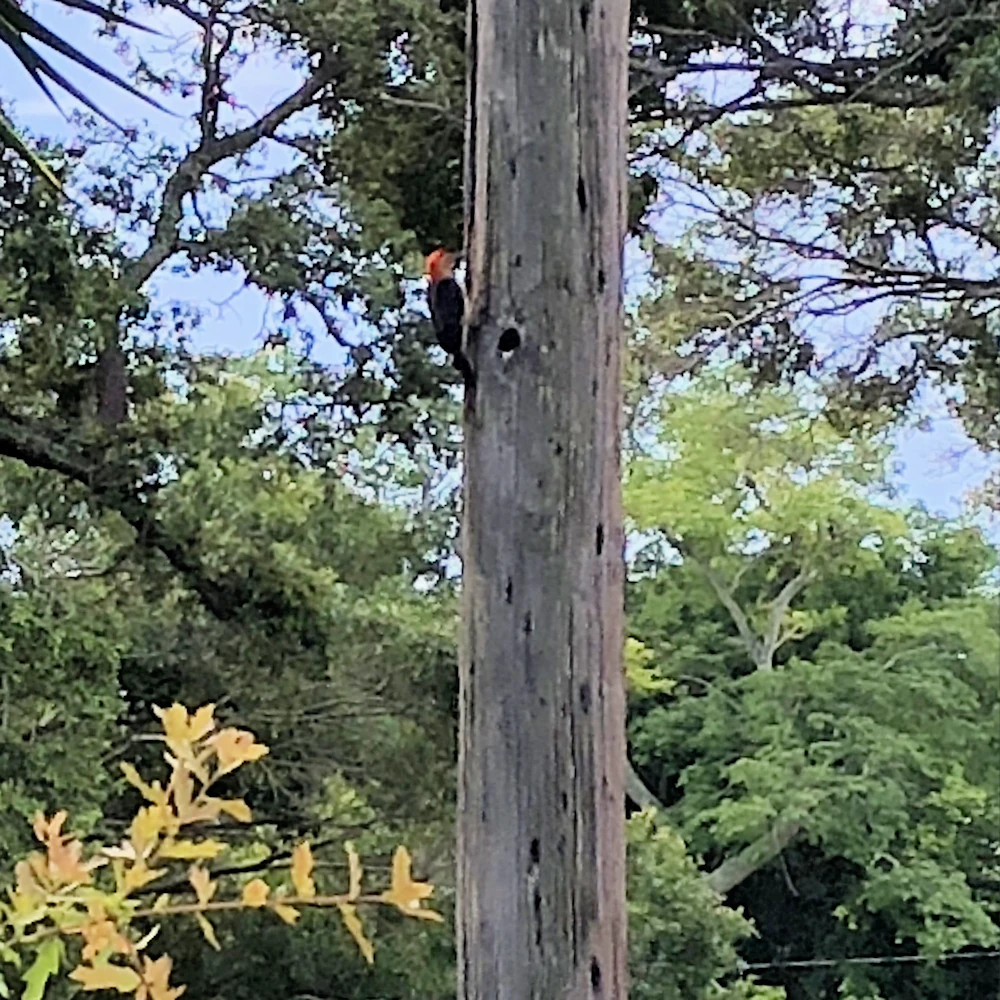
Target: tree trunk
{"x": 541, "y": 870}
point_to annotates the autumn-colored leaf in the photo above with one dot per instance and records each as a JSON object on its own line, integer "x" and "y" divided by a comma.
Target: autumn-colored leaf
{"x": 201, "y": 882}
{"x": 234, "y": 747}
{"x": 136, "y": 876}
{"x": 255, "y": 893}
{"x": 27, "y": 885}
{"x": 189, "y": 849}
{"x": 155, "y": 980}
{"x": 352, "y": 922}
{"x": 302, "y": 866}
{"x": 287, "y": 913}
{"x": 63, "y": 862}
{"x": 406, "y": 894}
{"x": 183, "y": 729}
{"x": 145, "y": 829}
{"x": 236, "y": 808}
{"x": 106, "y": 977}
{"x": 101, "y": 934}
{"x": 354, "y": 872}
{"x": 208, "y": 930}
{"x": 153, "y": 792}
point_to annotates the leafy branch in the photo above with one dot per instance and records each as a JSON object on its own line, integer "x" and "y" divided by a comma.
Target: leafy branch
{"x": 87, "y": 908}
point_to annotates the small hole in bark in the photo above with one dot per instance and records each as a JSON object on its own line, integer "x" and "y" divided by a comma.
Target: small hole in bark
{"x": 537, "y": 900}
{"x": 509, "y": 590}
{"x": 599, "y": 544}
{"x": 602, "y": 280}
{"x": 517, "y": 261}
{"x": 559, "y": 449}
{"x": 584, "y": 15}
{"x": 528, "y": 625}
{"x": 536, "y": 851}
{"x": 510, "y": 340}
{"x": 593, "y": 387}
{"x": 595, "y": 975}
{"x": 564, "y": 801}
{"x": 581, "y": 193}
{"x": 585, "y": 698}
{"x": 512, "y": 167}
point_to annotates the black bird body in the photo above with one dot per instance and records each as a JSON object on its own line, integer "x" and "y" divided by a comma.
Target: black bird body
{"x": 447, "y": 305}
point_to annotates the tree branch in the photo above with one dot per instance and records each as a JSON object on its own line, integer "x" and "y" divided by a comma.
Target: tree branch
{"x": 773, "y": 638}
{"x": 189, "y": 172}
{"x": 751, "y": 859}
{"x": 637, "y": 790}
{"x": 33, "y": 447}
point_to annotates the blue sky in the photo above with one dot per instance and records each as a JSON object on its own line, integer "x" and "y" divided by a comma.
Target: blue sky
{"x": 934, "y": 467}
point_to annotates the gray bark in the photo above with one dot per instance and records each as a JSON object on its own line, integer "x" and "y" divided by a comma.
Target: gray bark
{"x": 541, "y": 869}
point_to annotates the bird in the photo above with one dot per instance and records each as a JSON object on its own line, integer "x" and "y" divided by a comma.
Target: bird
{"x": 446, "y": 301}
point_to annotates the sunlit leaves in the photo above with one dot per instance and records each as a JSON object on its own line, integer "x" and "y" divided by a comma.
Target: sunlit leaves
{"x": 302, "y": 866}
{"x": 45, "y": 965}
{"x": 59, "y": 894}
{"x": 404, "y": 893}
{"x": 255, "y": 893}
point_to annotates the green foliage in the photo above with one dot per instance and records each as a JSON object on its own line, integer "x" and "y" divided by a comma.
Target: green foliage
{"x": 682, "y": 941}
{"x": 874, "y": 726}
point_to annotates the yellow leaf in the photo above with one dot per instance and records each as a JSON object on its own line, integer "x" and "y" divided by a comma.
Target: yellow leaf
{"x": 202, "y": 884}
{"x": 183, "y": 729}
{"x": 139, "y": 875}
{"x": 28, "y": 888}
{"x": 106, "y": 977}
{"x": 202, "y": 722}
{"x": 255, "y": 893}
{"x": 146, "y": 938}
{"x": 146, "y": 827}
{"x": 162, "y": 902}
{"x": 287, "y": 913}
{"x": 406, "y": 894}
{"x": 153, "y": 793}
{"x": 188, "y": 849}
{"x": 352, "y": 922}
{"x": 236, "y": 808}
{"x": 354, "y": 872}
{"x": 234, "y": 747}
{"x": 302, "y": 866}
{"x": 208, "y": 930}
{"x": 155, "y": 978}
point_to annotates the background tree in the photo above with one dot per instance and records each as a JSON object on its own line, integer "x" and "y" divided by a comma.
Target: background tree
{"x": 819, "y": 719}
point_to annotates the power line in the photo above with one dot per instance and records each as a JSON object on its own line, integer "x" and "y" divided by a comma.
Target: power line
{"x": 819, "y": 963}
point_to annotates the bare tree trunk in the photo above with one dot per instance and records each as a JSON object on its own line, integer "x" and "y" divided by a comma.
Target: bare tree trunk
{"x": 541, "y": 879}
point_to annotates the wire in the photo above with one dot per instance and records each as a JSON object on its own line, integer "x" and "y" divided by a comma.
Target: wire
{"x": 818, "y": 963}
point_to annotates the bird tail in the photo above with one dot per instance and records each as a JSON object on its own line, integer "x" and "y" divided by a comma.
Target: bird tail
{"x": 464, "y": 367}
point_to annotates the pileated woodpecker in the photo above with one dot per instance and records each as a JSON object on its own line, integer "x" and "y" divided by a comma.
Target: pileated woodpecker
{"x": 447, "y": 304}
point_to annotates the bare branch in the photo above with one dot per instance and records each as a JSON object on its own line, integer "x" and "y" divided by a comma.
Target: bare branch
{"x": 637, "y": 790}
{"x": 773, "y": 637}
{"x": 751, "y": 859}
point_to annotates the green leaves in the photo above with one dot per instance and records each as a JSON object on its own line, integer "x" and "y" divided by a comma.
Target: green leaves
{"x": 45, "y": 965}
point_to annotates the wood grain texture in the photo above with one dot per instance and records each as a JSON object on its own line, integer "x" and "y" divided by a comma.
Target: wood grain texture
{"x": 541, "y": 877}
